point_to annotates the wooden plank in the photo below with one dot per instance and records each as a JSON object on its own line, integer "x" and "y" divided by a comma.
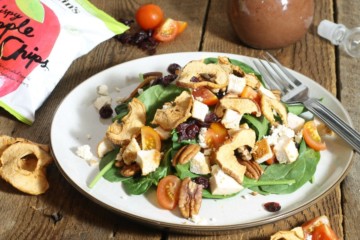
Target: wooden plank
{"x": 29, "y": 217}
{"x": 348, "y": 13}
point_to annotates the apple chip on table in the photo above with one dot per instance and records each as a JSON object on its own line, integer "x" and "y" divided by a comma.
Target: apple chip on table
{"x": 23, "y": 164}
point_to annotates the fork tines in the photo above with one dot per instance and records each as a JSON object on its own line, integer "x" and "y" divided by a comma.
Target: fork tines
{"x": 278, "y": 77}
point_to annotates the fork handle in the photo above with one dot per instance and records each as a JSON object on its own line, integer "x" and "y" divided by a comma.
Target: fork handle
{"x": 349, "y": 134}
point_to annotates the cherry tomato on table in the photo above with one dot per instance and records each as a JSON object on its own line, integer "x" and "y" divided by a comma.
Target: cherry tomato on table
{"x": 167, "y": 192}
{"x": 181, "y": 26}
{"x": 167, "y": 31}
{"x": 312, "y": 137}
{"x": 149, "y": 16}
{"x": 319, "y": 229}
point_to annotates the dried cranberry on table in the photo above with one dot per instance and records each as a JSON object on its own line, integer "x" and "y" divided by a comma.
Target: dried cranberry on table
{"x": 143, "y": 39}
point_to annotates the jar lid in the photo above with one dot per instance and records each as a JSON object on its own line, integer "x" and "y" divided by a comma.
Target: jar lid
{"x": 331, "y": 31}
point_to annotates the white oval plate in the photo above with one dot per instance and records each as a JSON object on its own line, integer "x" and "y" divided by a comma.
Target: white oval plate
{"x": 76, "y": 123}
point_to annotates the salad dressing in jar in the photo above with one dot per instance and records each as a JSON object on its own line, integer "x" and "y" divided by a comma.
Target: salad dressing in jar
{"x": 269, "y": 24}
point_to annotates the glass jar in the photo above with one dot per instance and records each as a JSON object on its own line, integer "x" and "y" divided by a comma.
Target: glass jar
{"x": 269, "y": 24}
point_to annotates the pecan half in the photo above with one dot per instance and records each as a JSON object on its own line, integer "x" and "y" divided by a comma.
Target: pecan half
{"x": 253, "y": 169}
{"x": 190, "y": 198}
{"x": 130, "y": 170}
{"x": 185, "y": 154}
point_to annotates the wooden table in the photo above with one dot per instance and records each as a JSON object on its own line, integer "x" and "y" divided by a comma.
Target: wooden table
{"x": 29, "y": 217}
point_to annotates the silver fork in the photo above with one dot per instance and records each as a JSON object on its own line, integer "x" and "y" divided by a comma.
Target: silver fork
{"x": 294, "y": 91}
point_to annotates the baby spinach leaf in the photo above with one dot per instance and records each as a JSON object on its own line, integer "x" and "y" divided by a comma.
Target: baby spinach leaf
{"x": 183, "y": 171}
{"x": 207, "y": 194}
{"x": 248, "y": 182}
{"x": 261, "y": 125}
{"x": 108, "y": 169}
{"x": 140, "y": 185}
{"x": 154, "y": 98}
{"x": 121, "y": 110}
{"x": 176, "y": 144}
{"x": 296, "y": 109}
{"x": 245, "y": 67}
{"x": 112, "y": 175}
{"x": 302, "y": 170}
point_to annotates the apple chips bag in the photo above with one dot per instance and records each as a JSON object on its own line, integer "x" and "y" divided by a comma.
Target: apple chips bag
{"x": 38, "y": 42}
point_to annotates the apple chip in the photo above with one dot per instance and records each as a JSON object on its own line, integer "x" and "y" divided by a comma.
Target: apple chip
{"x": 198, "y": 74}
{"x": 122, "y": 132}
{"x": 267, "y": 107}
{"x": 23, "y": 165}
{"x": 174, "y": 113}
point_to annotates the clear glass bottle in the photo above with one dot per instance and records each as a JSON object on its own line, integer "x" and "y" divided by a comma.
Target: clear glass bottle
{"x": 339, "y": 35}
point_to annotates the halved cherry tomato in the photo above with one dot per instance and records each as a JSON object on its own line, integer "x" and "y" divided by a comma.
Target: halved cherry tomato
{"x": 323, "y": 232}
{"x": 205, "y": 96}
{"x": 312, "y": 137}
{"x": 167, "y": 192}
{"x": 150, "y": 139}
{"x": 249, "y": 92}
{"x": 271, "y": 160}
{"x": 319, "y": 229}
{"x": 181, "y": 26}
{"x": 167, "y": 31}
{"x": 216, "y": 135}
{"x": 149, "y": 16}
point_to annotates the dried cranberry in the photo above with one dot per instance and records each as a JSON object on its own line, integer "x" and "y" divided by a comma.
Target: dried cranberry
{"x": 211, "y": 117}
{"x": 272, "y": 206}
{"x": 127, "y": 22}
{"x": 202, "y": 181}
{"x": 106, "y": 111}
{"x": 192, "y": 131}
{"x": 140, "y": 37}
{"x": 194, "y": 79}
{"x": 187, "y": 131}
{"x": 168, "y": 79}
{"x": 220, "y": 94}
{"x": 173, "y": 68}
{"x": 165, "y": 80}
{"x": 124, "y": 38}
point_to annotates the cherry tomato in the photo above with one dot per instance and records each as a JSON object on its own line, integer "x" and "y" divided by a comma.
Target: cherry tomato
{"x": 216, "y": 135}
{"x": 181, "y": 26}
{"x": 319, "y": 229}
{"x": 323, "y": 232}
{"x": 149, "y": 16}
{"x": 167, "y": 31}
{"x": 167, "y": 192}
{"x": 249, "y": 92}
{"x": 312, "y": 137}
{"x": 271, "y": 160}
{"x": 205, "y": 96}
{"x": 150, "y": 139}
